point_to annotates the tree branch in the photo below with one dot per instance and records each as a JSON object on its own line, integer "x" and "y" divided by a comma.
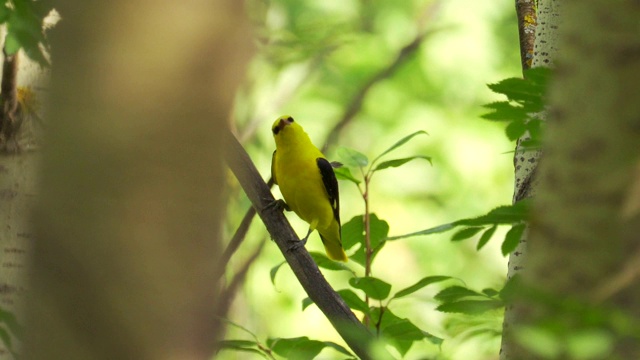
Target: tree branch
{"x": 356, "y": 102}
{"x": 303, "y": 266}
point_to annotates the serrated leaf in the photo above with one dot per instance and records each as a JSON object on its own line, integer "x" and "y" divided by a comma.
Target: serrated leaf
{"x": 507, "y": 214}
{"x": 400, "y": 143}
{"x": 373, "y": 287}
{"x": 486, "y": 236}
{"x": 344, "y": 173}
{"x": 455, "y": 293}
{"x": 399, "y": 162}
{"x": 512, "y": 238}
{"x": 353, "y": 301}
{"x": 515, "y": 130}
{"x": 352, "y": 158}
{"x": 420, "y": 284}
{"x": 324, "y": 262}
{"x": 274, "y": 271}
{"x": 505, "y": 111}
{"x": 465, "y": 233}
{"x": 301, "y": 348}
{"x": 470, "y": 307}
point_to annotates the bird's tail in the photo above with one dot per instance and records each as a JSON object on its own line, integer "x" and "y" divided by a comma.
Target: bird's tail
{"x": 332, "y": 242}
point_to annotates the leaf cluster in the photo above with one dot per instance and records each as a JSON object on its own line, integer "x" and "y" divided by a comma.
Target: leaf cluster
{"x": 525, "y": 101}
{"x": 25, "y": 24}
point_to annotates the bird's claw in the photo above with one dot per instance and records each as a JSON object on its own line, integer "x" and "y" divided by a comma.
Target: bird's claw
{"x": 296, "y": 244}
{"x": 278, "y": 204}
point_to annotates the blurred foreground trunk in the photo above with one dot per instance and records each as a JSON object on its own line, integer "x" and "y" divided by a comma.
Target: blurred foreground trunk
{"x": 127, "y": 221}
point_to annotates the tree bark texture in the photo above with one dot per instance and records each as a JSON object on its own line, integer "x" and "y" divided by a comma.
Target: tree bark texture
{"x": 584, "y": 235}
{"x": 126, "y": 250}
{"x": 545, "y": 48}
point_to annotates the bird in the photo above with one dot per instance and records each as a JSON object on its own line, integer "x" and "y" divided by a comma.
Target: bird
{"x": 308, "y": 184}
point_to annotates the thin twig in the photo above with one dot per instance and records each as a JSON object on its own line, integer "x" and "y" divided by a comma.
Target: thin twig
{"x": 305, "y": 269}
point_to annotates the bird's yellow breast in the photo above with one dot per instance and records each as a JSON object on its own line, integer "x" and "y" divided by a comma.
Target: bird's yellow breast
{"x": 301, "y": 186}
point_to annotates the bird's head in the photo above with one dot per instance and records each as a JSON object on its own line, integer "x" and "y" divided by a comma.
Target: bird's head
{"x": 280, "y": 124}
{"x": 288, "y": 133}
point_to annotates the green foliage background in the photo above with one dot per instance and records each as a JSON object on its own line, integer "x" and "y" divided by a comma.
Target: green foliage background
{"x": 313, "y": 58}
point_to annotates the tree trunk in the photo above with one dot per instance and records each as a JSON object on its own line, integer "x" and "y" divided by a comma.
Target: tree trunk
{"x": 584, "y": 242}
{"x": 583, "y": 246}
{"x": 127, "y": 220}
{"x": 545, "y": 48}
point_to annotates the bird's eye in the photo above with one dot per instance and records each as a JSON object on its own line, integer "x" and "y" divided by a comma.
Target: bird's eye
{"x": 276, "y": 130}
{"x": 290, "y": 119}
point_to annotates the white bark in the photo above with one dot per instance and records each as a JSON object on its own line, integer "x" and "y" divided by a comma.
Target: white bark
{"x": 526, "y": 162}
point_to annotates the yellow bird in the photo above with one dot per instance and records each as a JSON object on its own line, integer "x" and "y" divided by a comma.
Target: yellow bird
{"x": 307, "y": 183}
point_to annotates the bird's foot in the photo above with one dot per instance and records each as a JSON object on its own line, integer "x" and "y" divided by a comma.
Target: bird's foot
{"x": 279, "y": 205}
{"x": 296, "y": 244}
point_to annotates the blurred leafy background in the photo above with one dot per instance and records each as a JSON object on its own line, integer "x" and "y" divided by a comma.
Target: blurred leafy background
{"x": 355, "y": 62}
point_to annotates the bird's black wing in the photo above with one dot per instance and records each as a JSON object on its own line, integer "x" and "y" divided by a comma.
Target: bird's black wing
{"x": 331, "y": 185}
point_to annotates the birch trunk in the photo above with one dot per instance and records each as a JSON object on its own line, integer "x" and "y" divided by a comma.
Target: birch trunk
{"x": 545, "y": 48}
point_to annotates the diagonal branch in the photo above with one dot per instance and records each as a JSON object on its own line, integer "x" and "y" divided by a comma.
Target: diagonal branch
{"x": 303, "y": 266}
{"x": 356, "y": 102}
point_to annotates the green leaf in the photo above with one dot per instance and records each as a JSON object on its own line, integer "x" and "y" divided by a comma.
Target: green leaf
{"x": 6, "y": 338}
{"x": 465, "y": 233}
{"x": 373, "y": 287}
{"x": 404, "y": 330}
{"x": 10, "y": 320}
{"x": 512, "y": 238}
{"x": 402, "y": 333}
{"x": 486, "y": 236}
{"x": 470, "y": 307}
{"x": 353, "y": 234}
{"x": 433, "y": 230}
{"x": 274, "y": 271}
{"x": 238, "y": 344}
{"x": 324, "y": 262}
{"x": 515, "y": 130}
{"x": 296, "y": 348}
{"x": 507, "y": 214}
{"x": 505, "y": 111}
{"x": 11, "y": 44}
{"x": 353, "y": 301}
{"x": 455, "y": 293}
{"x": 344, "y": 173}
{"x": 338, "y": 348}
{"x": 5, "y": 13}
{"x": 400, "y": 143}
{"x": 399, "y": 162}
{"x": 352, "y": 158}
{"x": 306, "y": 302}
{"x": 490, "y": 292}
{"x": 420, "y": 284}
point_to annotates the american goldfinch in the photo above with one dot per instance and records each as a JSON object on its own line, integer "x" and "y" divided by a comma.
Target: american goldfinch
{"x": 307, "y": 183}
